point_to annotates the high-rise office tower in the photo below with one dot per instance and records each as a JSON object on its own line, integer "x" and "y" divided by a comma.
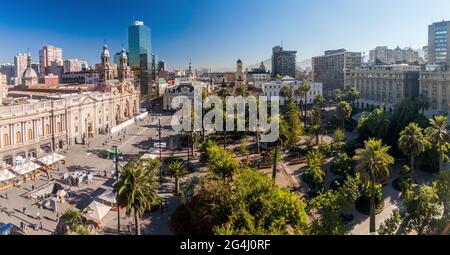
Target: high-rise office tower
{"x": 439, "y": 43}
{"x": 50, "y": 59}
{"x": 333, "y": 68}
{"x": 283, "y": 62}
{"x": 139, "y": 51}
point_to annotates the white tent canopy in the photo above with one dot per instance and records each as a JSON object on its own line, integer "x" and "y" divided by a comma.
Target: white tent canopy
{"x": 97, "y": 211}
{"x": 25, "y": 168}
{"x": 6, "y": 175}
{"x": 108, "y": 196}
{"x": 51, "y": 159}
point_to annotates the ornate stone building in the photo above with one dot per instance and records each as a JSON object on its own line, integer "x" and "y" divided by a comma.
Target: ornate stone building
{"x": 36, "y": 119}
{"x": 385, "y": 85}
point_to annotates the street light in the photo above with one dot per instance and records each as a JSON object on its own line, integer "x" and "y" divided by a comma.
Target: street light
{"x": 116, "y": 152}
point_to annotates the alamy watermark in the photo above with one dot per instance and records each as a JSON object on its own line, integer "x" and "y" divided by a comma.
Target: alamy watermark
{"x": 190, "y": 117}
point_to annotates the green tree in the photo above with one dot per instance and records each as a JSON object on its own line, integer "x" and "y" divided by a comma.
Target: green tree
{"x": 294, "y": 124}
{"x": 390, "y": 225}
{"x": 412, "y": 142}
{"x": 337, "y": 95}
{"x": 243, "y": 146}
{"x": 422, "y": 206}
{"x": 303, "y": 90}
{"x": 344, "y": 112}
{"x": 136, "y": 187}
{"x": 442, "y": 187}
{"x": 378, "y": 123}
{"x": 342, "y": 165}
{"x": 339, "y": 139}
{"x": 373, "y": 162}
{"x": 352, "y": 95}
{"x": 437, "y": 134}
{"x": 75, "y": 222}
{"x": 177, "y": 171}
{"x": 314, "y": 174}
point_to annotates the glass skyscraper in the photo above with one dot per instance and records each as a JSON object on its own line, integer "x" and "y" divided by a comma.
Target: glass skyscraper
{"x": 139, "y": 43}
{"x": 439, "y": 43}
{"x": 140, "y": 52}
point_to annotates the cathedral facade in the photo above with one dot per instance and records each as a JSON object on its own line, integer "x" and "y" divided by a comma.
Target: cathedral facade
{"x": 39, "y": 118}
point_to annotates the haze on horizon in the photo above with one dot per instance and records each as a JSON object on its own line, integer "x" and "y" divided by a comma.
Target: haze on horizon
{"x": 214, "y": 34}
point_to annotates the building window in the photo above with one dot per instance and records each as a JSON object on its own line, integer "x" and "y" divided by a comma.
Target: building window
{"x": 5, "y": 140}
{"x": 47, "y": 129}
{"x": 18, "y": 137}
{"x": 30, "y": 135}
{"x": 76, "y": 129}
{"x": 59, "y": 127}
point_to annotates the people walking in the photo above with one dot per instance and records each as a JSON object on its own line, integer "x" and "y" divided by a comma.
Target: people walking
{"x": 24, "y": 210}
{"x": 38, "y": 216}
{"x": 6, "y": 195}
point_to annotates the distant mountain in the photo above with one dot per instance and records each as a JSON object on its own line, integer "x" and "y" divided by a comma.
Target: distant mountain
{"x": 304, "y": 64}
{"x": 267, "y": 63}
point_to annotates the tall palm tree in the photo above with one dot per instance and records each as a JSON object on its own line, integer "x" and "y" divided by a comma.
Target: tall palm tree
{"x": 412, "y": 142}
{"x": 438, "y": 136}
{"x": 373, "y": 162}
{"x": 344, "y": 112}
{"x": 303, "y": 91}
{"x": 177, "y": 170}
{"x": 136, "y": 187}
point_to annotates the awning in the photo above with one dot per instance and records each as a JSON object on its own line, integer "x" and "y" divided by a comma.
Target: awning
{"x": 108, "y": 196}
{"x": 6, "y": 175}
{"x": 25, "y": 168}
{"x": 150, "y": 156}
{"x": 51, "y": 159}
{"x": 97, "y": 211}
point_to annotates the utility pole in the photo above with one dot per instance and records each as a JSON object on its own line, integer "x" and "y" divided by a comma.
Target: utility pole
{"x": 116, "y": 161}
{"x": 160, "y": 152}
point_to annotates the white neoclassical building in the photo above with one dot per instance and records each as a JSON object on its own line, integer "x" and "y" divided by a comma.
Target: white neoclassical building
{"x": 36, "y": 119}
{"x": 273, "y": 88}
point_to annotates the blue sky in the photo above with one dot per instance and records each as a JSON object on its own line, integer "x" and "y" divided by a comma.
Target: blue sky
{"x": 215, "y": 33}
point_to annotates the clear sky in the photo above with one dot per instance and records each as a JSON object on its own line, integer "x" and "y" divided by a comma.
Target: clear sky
{"x": 215, "y": 33}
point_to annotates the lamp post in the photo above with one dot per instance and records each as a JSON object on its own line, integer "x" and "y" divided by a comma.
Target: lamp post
{"x": 160, "y": 152}
{"x": 116, "y": 153}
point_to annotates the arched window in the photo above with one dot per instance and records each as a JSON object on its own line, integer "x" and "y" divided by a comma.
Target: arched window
{"x": 30, "y": 135}
{"x": 5, "y": 140}
{"x": 18, "y": 137}
{"x": 47, "y": 129}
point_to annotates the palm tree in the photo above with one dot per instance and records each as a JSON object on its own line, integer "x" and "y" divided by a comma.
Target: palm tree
{"x": 412, "y": 142}
{"x": 75, "y": 221}
{"x": 136, "y": 187}
{"x": 177, "y": 170}
{"x": 373, "y": 162}
{"x": 423, "y": 103}
{"x": 344, "y": 112}
{"x": 303, "y": 91}
{"x": 437, "y": 134}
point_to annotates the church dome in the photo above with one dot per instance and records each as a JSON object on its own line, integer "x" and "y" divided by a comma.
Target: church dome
{"x": 123, "y": 54}
{"x": 29, "y": 73}
{"x": 105, "y": 52}
{"x": 239, "y": 61}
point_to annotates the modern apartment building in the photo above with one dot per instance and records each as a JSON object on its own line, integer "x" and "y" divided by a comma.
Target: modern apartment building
{"x": 333, "y": 68}
{"x": 439, "y": 43}
{"x": 283, "y": 62}
{"x": 50, "y": 58}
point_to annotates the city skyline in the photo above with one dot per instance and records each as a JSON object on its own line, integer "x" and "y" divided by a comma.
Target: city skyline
{"x": 216, "y": 34}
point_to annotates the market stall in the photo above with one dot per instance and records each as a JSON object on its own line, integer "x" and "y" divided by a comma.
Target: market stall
{"x": 50, "y": 160}
{"x": 97, "y": 211}
{"x": 108, "y": 197}
{"x": 6, "y": 179}
{"x": 27, "y": 170}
